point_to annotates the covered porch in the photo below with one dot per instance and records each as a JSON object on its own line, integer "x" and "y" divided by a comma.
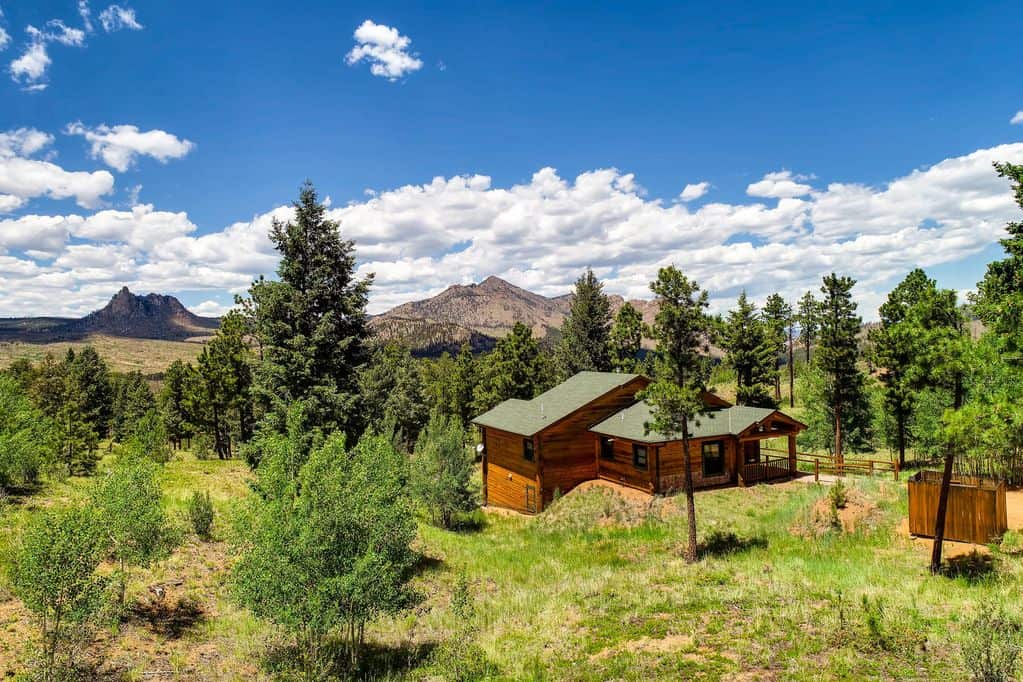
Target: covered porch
{"x": 757, "y": 464}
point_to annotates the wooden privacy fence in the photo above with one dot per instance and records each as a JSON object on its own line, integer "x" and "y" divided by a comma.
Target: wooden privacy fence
{"x": 825, "y": 464}
{"x": 976, "y": 507}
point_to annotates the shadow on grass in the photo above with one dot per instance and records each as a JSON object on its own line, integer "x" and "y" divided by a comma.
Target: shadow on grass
{"x": 972, "y": 567}
{"x": 719, "y": 543}
{"x": 170, "y": 619}
{"x": 376, "y": 662}
{"x": 426, "y": 563}
{"x": 472, "y": 522}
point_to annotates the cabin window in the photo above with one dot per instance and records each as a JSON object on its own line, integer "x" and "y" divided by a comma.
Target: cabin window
{"x": 713, "y": 456}
{"x": 607, "y": 448}
{"x": 639, "y": 456}
{"x": 527, "y": 449}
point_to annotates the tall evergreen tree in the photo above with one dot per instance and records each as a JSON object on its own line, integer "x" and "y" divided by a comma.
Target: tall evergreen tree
{"x": 895, "y": 347}
{"x": 750, "y": 353}
{"x": 393, "y": 396}
{"x": 680, "y": 329}
{"x": 172, "y": 398}
{"x": 310, "y": 326}
{"x": 776, "y": 315}
{"x": 449, "y": 384}
{"x": 584, "y": 334}
{"x": 219, "y": 397}
{"x": 626, "y": 339}
{"x": 808, "y": 319}
{"x": 91, "y": 378}
{"x": 132, "y": 400}
{"x": 999, "y": 297}
{"x": 514, "y": 369}
{"x": 838, "y": 350}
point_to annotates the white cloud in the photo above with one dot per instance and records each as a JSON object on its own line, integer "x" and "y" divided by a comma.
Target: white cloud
{"x": 23, "y": 178}
{"x": 211, "y": 309}
{"x": 692, "y": 192}
{"x": 779, "y": 185}
{"x": 30, "y": 68}
{"x": 384, "y": 49}
{"x": 115, "y": 18}
{"x": 5, "y": 39}
{"x": 59, "y": 32}
{"x": 120, "y": 145}
{"x": 1018, "y": 118}
{"x": 540, "y": 234}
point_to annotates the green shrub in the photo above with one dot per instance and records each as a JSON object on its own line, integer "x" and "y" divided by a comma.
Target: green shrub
{"x": 838, "y": 495}
{"x": 1012, "y": 542}
{"x": 200, "y": 513}
{"x": 991, "y": 643}
{"x": 203, "y": 446}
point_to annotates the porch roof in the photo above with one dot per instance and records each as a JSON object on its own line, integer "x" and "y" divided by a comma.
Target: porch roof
{"x": 630, "y": 423}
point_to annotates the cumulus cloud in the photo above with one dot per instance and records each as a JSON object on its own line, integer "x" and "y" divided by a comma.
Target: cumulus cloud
{"x": 384, "y": 49}
{"x": 23, "y": 178}
{"x": 119, "y": 146}
{"x": 116, "y": 18}
{"x": 1018, "y": 118}
{"x": 540, "y": 234}
{"x": 779, "y": 185}
{"x": 30, "y": 68}
{"x": 692, "y": 192}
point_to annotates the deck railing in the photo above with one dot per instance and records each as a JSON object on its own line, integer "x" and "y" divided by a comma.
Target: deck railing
{"x": 768, "y": 468}
{"x": 826, "y": 464}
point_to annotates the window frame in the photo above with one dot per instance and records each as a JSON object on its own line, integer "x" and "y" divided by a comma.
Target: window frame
{"x": 720, "y": 455}
{"x": 607, "y": 448}
{"x": 636, "y": 447}
{"x": 528, "y": 450}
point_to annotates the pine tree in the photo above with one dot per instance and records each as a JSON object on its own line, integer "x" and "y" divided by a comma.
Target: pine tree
{"x": 808, "y": 318}
{"x": 132, "y": 400}
{"x": 777, "y": 314}
{"x": 91, "y": 377}
{"x": 838, "y": 350}
{"x": 171, "y": 400}
{"x": 310, "y": 326}
{"x": 750, "y": 353}
{"x": 514, "y": 369}
{"x": 999, "y": 297}
{"x": 219, "y": 396}
{"x": 895, "y": 347}
{"x": 584, "y": 334}
{"x": 626, "y": 339}
{"x": 393, "y": 395}
{"x": 680, "y": 329}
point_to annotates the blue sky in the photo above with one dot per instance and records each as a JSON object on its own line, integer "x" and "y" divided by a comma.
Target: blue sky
{"x": 668, "y": 95}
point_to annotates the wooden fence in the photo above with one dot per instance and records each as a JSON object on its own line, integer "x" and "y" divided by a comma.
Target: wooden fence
{"x": 825, "y": 464}
{"x": 767, "y": 469}
{"x": 976, "y": 507}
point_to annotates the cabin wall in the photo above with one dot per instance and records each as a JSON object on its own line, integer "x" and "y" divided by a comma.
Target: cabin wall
{"x": 620, "y": 468}
{"x": 509, "y": 474}
{"x": 567, "y": 455}
{"x": 672, "y": 469}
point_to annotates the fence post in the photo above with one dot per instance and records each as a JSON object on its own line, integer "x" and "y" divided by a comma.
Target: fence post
{"x": 896, "y": 470}
{"x": 816, "y": 470}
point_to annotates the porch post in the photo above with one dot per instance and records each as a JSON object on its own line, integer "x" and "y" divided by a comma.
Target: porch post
{"x": 792, "y": 454}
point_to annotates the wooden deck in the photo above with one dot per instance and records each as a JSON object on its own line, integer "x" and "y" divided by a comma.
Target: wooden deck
{"x": 769, "y": 468}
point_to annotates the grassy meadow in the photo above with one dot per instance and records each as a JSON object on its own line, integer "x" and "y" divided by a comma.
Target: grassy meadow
{"x": 593, "y": 589}
{"x": 149, "y": 356}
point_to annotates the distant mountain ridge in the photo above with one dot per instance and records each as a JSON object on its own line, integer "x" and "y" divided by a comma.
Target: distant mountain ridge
{"x": 481, "y": 313}
{"x": 153, "y": 316}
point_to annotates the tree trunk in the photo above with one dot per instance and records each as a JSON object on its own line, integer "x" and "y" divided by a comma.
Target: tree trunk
{"x": 839, "y": 458}
{"x": 792, "y": 373}
{"x": 946, "y": 486}
{"x": 808, "y": 351}
{"x": 777, "y": 381}
{"x": 901, "y": 418}
{"x": 690, "y": 496}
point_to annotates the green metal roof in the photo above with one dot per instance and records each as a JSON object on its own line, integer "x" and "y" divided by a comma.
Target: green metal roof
{"x": 527, "y": 417}
{"x": 630, "y": 423}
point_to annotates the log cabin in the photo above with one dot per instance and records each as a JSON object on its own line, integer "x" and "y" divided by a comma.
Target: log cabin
{"x": 592, "y": 426}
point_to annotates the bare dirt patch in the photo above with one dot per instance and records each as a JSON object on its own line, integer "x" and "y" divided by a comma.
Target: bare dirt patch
{"x": 858, "y": 511}
{"x": 644, "y": 645}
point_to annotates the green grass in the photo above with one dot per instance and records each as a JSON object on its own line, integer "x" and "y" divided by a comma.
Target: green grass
{"x": 596, "y": 591}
